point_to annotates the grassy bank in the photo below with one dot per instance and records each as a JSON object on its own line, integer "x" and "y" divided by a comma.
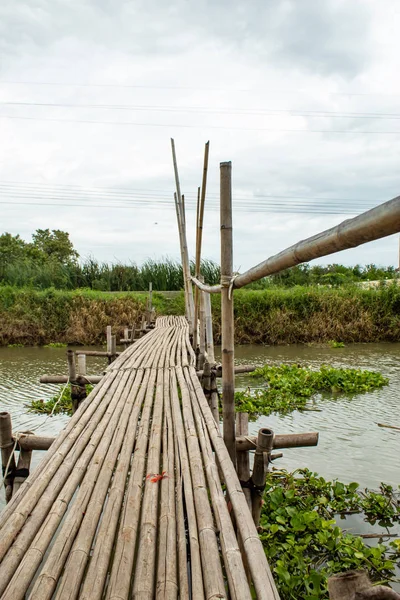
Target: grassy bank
{"x": 271, "y": 316}
{"x": 33, "y": 317}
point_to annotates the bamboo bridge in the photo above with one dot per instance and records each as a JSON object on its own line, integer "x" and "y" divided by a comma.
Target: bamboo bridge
{"x": 141, "y": 495}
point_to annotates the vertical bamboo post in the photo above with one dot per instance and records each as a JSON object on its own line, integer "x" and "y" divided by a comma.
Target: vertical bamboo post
{"x": 113, "y": 347}
{"x": 228, "y": 374}
{"x": 78, "y": 393}
{"x": 82, "y": 364}
{"x": 243, "y": 460}
{"x": 197, "y": 271}
{"x": 214, "y": 398}
{"x": 7, "y": 453}
{"x": 201, "y": 198}
{"x": 202, "y": 344}
{"x": 126, "y": 334}
{"x": 178, "y": 218}
{"x": 206, "y": 381}
{"x": 150, "y": 302}
{"x": 108, "y": 333}
{"x": 209, "y": 330}
{"x": 23, "y": 466}
{"x": 184, "y": 249}
{"x": 265, "y": 441}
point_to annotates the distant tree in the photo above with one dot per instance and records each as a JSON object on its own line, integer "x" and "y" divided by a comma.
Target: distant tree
{"x": 12, "y": 247}
{"x": 55, "y": 245}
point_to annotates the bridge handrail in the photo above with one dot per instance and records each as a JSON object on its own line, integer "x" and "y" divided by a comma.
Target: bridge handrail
{"x": 379, "y": 222}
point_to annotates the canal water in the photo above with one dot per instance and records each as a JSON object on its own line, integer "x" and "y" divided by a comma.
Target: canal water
{"x": 351, "y": 445}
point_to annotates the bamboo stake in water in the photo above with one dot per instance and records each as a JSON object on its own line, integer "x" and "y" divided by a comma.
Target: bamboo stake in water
{"x": 185, "y": 255}
{"x": 7, "y": 453}
{"x": 228, "y": 374}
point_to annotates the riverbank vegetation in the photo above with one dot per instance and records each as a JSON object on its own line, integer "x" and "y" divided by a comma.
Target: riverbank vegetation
{"x": 273, "y": 316}
{"x": 284, "y": 388}
{"x": 50, "y": 260}
{"x": 302, "y": 539}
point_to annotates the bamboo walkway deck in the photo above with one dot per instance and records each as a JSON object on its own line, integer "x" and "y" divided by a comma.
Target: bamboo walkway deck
{"x": 97, "y": 519}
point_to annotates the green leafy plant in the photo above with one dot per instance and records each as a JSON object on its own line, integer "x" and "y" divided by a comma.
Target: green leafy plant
{"x": 302, "y": 541}
{"x": 56, "y": 345}
{"x": 288, "y": 387}
{"x": 334, "y": 344}
{"x": 55, "y": 405}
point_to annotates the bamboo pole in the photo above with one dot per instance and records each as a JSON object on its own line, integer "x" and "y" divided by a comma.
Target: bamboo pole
{"x": 33, "y": 442}
{"x": 185, "y": 254}
{"x": 81, "y": 364}
{"x": 61, "y": 446}
{"x": 243, "y": 461}
{"x": 227, "y": 321}
{"x": 234, "y": 566}
{"x": 202, "y": 345}
{"x": 197, "y": 586}
{"x": 43, "y": 522}
{"x": 83, "y": 540}
{"x": 78, "y": 393}
{"x": 379, "y": 222}
{"x": 144, "y": 580}
{"x": 79, "y": 379}
{"x": 209, "y": 329}
{"x": 260, "y": 572}
{"x": 167, "y": 574}
{"x": 185, "y": 282}
{"x": 286, "y": 440}
{"x": 197, "y": 272}
{"x": 7, "y": 445}
{"x": 213, "y": 578}
{"x": 55, "y": 470}
{"x": 22, "y": 470}
{"x": 109, "y": 340}
{"x": 217, "y": 370}
{"x": 201, "y": 198}
{"x": 265, "y": 443}
{"x": 214, "y": 399}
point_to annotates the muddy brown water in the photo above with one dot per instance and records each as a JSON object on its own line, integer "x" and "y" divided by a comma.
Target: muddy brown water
{"x": 351, "y": 446}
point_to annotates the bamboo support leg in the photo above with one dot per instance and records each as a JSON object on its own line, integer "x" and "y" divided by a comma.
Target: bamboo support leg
{"x": 23, "y": 467}
{"x": 265, "y": 443}
{"x": 7, "y": 445}
{"x": 243, "y": 460}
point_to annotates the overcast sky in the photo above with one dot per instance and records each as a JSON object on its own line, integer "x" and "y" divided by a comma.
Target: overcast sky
{"x": 296, "y": 93}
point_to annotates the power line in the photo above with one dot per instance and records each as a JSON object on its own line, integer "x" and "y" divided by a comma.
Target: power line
{"x": 273, "y": 209}
{"x": 123, "y": 192}
{"x": 189, "y": 88}
{"x": 212, "y": 110}
{"x": 220, "y": 127}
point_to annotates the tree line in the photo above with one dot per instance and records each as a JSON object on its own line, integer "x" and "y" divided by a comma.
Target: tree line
{"x": 50, "y": 260}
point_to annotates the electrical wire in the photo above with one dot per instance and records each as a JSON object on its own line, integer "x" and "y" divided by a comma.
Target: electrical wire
{"x": 218, "y": 127}
{"x": 212, "y": 110}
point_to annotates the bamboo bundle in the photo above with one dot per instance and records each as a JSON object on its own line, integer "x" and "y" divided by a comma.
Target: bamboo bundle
{"x": 93, "y": 525}
{"x": 213, "y": 578}
{"x": 260, "y": 571}
{"x": 234, "y": 569}
{"x": 50, "y": 510}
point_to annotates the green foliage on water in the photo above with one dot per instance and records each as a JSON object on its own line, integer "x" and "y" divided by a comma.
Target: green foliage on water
{"x": 56, "y": 345}
{"x": 286, "y": 388}
{"x": 302, "y": 541}
{"x": 334, "y": 344}
{"x": 60, "y": 403}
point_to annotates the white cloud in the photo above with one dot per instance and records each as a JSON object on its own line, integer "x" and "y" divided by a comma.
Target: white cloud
{"x": 251, "y": 57}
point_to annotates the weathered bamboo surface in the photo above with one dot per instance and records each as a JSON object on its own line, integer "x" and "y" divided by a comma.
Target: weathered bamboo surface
{"x": 127, "y": 502}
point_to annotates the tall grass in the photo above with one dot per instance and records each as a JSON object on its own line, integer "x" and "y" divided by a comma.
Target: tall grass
{"x": 165, "y": 275}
